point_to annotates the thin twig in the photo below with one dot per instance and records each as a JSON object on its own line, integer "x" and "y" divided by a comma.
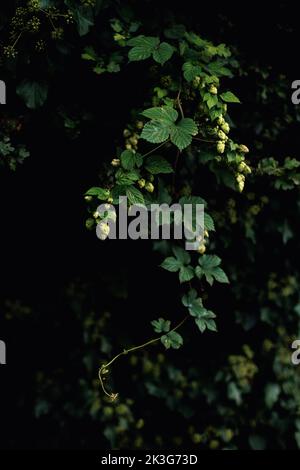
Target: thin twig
{"x": 179, "y": 103}
{"x": 175, "y": 168}
{"x": 156, "y": 148}
{"x": 104, "y": 368}
{"x": 205, "y": 140}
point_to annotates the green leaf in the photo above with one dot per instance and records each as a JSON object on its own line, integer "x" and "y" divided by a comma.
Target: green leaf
{"x": 33, "y": 93}
{"x": 100, "y": 193}
{"x": 209, "y": 267}
{"x": 181, "y": 254}
{"x": 234, "y": 393}
{"x": 196, "y": 309}
{"x": 161, "y": 325}
{"x": 117, "y": 191}
{"x": 272, "y": 392}
{"x": 186, "y": 274}
{"x": 162, "y": 125}
{"x": 83, "y": 17}
{"x": 134, "y": 195}
{"x": 211, "y": 325}
{"x": 208, "y": 222}
{"x": 171, "y": 264}
{"x": 189, "y": 298}
{"x": 156, "y": 132}
{"x": 128, "y": 159}
{"x": 201, "y": 324}
{"x": 229, "y": 97}
{"x": 172, "y": 340}
{"x": 143, "y": 48}
{"x": 191, "y": 71}
{"x": 181, "y": 134}
{"x": 163, "y": 53}
{"x": 188, "y": 125}
{"x": 220, "y": 276}
{"x": 156, "y": 164}
{"x": 164, "y": 113}
{"x": 127, "y": 177}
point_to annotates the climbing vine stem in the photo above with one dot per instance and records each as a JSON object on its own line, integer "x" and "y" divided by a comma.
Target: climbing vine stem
{"x": 103, "y": 371}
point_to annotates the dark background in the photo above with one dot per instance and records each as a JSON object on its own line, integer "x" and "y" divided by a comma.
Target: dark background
{"x": 45, "y": 245}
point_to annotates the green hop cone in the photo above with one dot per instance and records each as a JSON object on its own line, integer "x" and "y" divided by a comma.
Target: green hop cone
{"x": 89, "y": 223}
{"x": 213, "y": 90}
{"x": 149, "y": 187}
{"x": 220, "y": 121}
{"x": 225, "y": 127}
{"x": 222, "y": 135}
{"x": 103, "y": 230}
{"x": 244, "y": 168}
{"x": 243, "y": 148}
{"x": 115, "y": 162}
{"x": 141, "y": 183}
{"x": 240, "y": 179}
{"x": 220, "y": 147}
{"x": 202, "y": 248}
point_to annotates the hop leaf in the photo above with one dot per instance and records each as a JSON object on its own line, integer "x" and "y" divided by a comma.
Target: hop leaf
{"x": 163, "y": 53}
{"x": 134, "y": 195}
{"x": 172, "y": 340}
{"x": 156, "y": 132}
{"x": 163, "y": 126}
{"x": 161, "y": 325}
{"x": 209, "y": 267}
{"x": 143, "y": 47}
{"x": 229, "y": 97}
{"x": 157, "y": 164}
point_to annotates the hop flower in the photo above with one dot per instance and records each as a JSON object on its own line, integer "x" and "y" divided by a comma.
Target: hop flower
{"x": 196, "y": 82}
{"x": 225, "y": 127}
{"x": 243, "y": 148}
{"x": 116, "y": 162}
{"x": 149, "y": 187}
{"x": 141, "y": 183}
{"x": 244, "y": 168}
{"x": 220, "y": 146}
{"x": 241, "y": 182}
{"x": 213, "y": 90}
{"x": 103, "y": 230}
{"x": 126, "y": 133}
{"x": 222, "y": 135}
{"x": 89, "y": 223}
{"x": 202, "y": 249}
{"x": 220, "y": 121}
